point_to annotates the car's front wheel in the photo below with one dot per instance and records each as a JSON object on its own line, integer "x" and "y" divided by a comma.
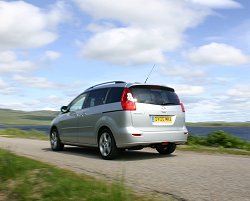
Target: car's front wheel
{"x": 55, "y": 142}
{"x": 166, "y": 149}
{"x": 107, "y": 145}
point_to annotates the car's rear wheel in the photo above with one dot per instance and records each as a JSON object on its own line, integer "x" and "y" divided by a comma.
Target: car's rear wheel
{"x": 55, "y": 142}
{"x": 107, "y": 145}
{"x": 166, "y": 149}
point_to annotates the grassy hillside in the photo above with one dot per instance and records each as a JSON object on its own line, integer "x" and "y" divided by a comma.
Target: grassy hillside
{"x": 219, "y": 124}
{"x": 17, "y": 117}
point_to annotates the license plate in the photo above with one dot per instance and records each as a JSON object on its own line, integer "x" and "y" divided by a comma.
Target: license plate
{"x": 161, "y": 119}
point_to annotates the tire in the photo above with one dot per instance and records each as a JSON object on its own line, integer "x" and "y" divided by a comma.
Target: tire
{"x": 55, "y": 142}
{"x": 166, "y": 149}
{"x": 107, "y": 145}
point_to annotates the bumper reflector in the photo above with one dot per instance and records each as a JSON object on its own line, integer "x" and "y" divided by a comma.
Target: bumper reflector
{"x": 136, "y": 135}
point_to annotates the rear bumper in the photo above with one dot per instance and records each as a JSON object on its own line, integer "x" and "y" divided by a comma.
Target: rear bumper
{"x": 126, "y": 140}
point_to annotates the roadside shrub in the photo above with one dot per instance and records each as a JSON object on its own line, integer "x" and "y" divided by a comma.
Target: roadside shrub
{"x": 196, "y": 140}
{"x": 220, "y": 138}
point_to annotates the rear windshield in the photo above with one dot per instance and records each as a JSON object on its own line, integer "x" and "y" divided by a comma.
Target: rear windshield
{"x": 155, "y": 95}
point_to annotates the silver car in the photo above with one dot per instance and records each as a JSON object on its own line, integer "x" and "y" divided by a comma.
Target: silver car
{"x": 116, "y": 116}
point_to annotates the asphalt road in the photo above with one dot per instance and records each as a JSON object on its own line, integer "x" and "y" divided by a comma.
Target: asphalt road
{"x": 182, "y": 176}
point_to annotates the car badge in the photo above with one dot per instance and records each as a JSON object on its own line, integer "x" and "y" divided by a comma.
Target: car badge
{"x": 163, "y": 109}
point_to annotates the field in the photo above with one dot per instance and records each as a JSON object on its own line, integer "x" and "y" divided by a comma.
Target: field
{"x": 17, "y": 117}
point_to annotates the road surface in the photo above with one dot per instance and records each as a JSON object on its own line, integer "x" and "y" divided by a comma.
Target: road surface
{"x": 183, "y": 176}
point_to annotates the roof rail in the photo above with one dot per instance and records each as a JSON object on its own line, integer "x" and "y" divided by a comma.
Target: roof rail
{"x": 115, "y": 82}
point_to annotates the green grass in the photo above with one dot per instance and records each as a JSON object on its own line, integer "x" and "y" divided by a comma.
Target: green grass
{"x": 213, "y": 150}
{"x": 16, "y": 117}
{"x": 24, "y": 179}
{"x": 18, "y": 133}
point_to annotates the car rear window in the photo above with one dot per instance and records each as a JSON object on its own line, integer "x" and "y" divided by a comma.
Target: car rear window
{"x": 156, "y": 95}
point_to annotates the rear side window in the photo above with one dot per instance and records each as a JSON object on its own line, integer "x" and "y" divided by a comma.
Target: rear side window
{"x": 96, "y": 97}
{"x": 155, "y": 95}
{"x": 115, "y": 95}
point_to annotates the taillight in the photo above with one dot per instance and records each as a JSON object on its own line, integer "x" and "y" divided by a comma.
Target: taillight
{"x": 182, "y": 106}
{"x": 127, "y": 101}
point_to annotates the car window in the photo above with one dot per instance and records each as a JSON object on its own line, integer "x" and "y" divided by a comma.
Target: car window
{"x": 154, "y": 95}
{"x": 115, "y": 95}
{"x": 96, "y": 97}
{"x": 77, "y": 104}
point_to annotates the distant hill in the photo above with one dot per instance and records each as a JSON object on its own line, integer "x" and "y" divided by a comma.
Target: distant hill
{"x": 218, "y": 124}
{"x": 18, "y": 117}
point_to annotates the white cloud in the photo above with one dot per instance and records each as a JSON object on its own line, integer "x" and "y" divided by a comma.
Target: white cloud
{"x": 50, "y": 102}
{"x": 124, "y": 46}
{"x": 138, "y": 31}
{"x": 217, "y": 53}
{"x": 24, "y": 105}
{"x": 71, "y": 89}
{"x": 240, "y": 91}
{"x": 55, "y": 102}
{"x": 5, "y": 88}
{"x": 203, "y": 110}
{"x": 218, "y": 4}
{"x": 36, "y": 82}
{"x": 51, "y": 55}
{"x": 142, "y": 12}
{"x": 183, "y": 72}
{"x": 188, "y": 90}
{"x": 10, "y": 64}
{"x": 23, "y": 25}
{"x": 223, "y": 106}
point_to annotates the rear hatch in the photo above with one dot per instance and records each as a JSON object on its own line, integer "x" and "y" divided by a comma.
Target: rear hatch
{"x": 158, "y": 109}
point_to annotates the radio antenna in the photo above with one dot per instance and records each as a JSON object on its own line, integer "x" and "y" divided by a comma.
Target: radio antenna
{"x": 149, "y": 74}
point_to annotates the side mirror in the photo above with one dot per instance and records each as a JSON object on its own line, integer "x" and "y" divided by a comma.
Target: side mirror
{"x": 64, "y": 109}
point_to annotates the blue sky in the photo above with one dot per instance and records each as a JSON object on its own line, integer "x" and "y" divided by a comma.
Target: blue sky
{"x": 50, "y": 51}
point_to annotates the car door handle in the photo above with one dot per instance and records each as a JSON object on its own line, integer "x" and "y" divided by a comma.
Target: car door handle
{"x": 73, "y": 114}
{"x": 81, "y": 115}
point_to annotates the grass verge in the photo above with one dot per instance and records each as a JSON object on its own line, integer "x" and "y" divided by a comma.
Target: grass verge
{"x": 18, "y": 133}
{"x": 27, "y": 179}
{"x": 213, "y": 150}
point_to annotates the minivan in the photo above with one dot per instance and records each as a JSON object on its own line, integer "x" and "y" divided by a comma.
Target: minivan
{"x": 118, "y": 116}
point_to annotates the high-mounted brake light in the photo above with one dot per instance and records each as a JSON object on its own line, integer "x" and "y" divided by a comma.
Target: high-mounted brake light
{"x": 127, "y": 101}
